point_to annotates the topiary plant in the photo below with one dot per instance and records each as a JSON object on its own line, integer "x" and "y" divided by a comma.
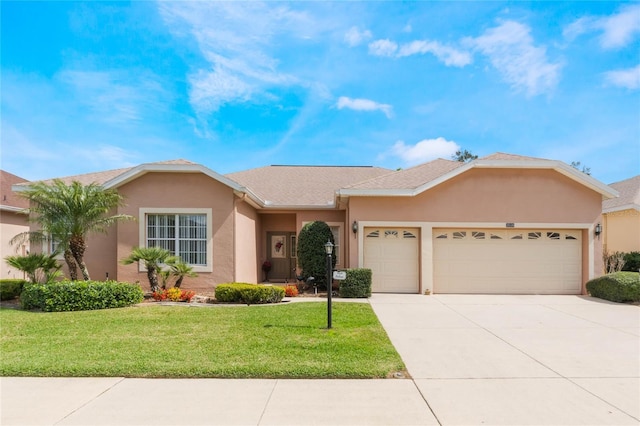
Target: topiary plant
{"x": 616, "y": 287}
{"x": 311, "y": 255}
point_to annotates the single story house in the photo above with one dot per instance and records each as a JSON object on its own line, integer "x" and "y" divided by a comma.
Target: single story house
{"x": 621, "y": 217}
{"x": 499, "y": 224}
{"x": 13, "y": 221}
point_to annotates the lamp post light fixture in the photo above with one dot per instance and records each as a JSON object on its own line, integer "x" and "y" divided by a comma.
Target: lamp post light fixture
{"x": 328, "y": 249}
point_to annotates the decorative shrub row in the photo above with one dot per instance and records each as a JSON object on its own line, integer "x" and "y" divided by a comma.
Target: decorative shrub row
{"x": 251, "y": 294}
{"x": 631, "y": 261}
{"x": 616, "y": 287}
{"x": 80, "y": 295}
{"x": 357, "y": 283}
{"x": 11, "y": 288}
{"x": 174, "y": 294}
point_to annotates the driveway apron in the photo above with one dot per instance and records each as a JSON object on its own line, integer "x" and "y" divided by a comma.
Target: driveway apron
{"x": 496, "y": 359}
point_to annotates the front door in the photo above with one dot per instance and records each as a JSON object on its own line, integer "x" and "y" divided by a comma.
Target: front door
{"x": 281, "y": 254}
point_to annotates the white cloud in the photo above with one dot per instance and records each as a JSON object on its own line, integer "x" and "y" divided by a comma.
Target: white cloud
{"x": 628, "y": 78}
{"x": 425, "y": 150}
{"x": 617, "y": 30}
{"x": 384, "y": 47}
{"x": 364, "y": 105}
{"x": 511, "y": 50}
{"x": 355, "y": 37}
{"x": 449, "y": 55}
{"x": 236, "y": 39}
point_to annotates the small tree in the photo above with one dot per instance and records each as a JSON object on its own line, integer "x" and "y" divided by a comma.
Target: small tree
{"x": 152, "y": 258}
{"x": 578, "y": 166}
{"x": 180, "y": 270}
{"x": 463, "y": 156}
{"x": 39, "y": 267}
{"x": 311, "y": 254}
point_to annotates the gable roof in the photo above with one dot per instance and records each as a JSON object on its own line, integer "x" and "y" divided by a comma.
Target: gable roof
{"x": 302, "y": 186}
{"x": 629, "y": 190}
{"x": 9, "y": 200}
{"x": 420, "y": 178}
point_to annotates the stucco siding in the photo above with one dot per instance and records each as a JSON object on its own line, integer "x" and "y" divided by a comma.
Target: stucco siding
{"x": 184, "y": 191}
{"x": 246, "y": 248}
{"x": 11, "y": 224}
{"x": 622, "y": 231}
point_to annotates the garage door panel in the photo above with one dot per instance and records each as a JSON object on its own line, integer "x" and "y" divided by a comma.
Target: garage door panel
{"x": 392, "y": 254}
{"x": 507, "y": 261}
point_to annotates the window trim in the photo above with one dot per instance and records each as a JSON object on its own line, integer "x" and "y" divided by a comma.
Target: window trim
{"x": 142, "y": 229}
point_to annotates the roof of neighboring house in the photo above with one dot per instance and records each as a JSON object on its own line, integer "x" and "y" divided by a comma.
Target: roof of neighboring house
{"x": 629, "y": 198}
{"x": 9, "y": 200}
{"x": 302, "y": 186}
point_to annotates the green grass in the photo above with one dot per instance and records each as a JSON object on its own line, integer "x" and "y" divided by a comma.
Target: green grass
{"x": 283, "y": 341}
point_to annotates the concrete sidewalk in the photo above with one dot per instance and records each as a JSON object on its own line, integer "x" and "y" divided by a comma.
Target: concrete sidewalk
{"x": 507, "y": 360}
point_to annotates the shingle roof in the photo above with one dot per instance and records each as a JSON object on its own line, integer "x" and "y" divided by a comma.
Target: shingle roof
{"x": 100, "y": 178}
{"x": 312, "y": 186}
{"x": 510, "y": 157}
{"x": 8, "y": 198}
{"x": 629, "y": 198}
{"x": 410, "y": 178}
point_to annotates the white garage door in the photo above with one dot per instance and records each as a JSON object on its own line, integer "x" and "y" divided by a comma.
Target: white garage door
{"x": 507, "y": 261}
{"x": 392, "y": 256}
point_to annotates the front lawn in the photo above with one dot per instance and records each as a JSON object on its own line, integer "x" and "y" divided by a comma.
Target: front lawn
{"x": 283, "y": 341}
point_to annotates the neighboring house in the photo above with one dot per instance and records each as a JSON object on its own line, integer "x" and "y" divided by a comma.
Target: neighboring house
{"x": 621, "y": 217}
{"x": 12, "y": 222}
{"x": 499, "y": 224}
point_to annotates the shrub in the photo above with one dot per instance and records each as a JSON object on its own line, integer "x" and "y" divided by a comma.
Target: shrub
{"x": 357, "y": 283}
{"x": 616, "y": 287}
{"x": 291, "y": 290}
{"x": 174, "y": 294}
{"x": 80, "y": 295}
{"x": 311, "y": 255}
{"x": 613, "y": 261}
{"x": 631, "y": 261}
{"x": 250, "y": 294}
{"x": 11, "y": 288}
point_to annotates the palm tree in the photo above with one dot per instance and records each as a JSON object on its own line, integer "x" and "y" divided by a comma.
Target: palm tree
{"x": 180, "y": 270}
{"x": 152, "y": 258}
{"x": 68, "y": 213}
{"x": 39, "y": 267}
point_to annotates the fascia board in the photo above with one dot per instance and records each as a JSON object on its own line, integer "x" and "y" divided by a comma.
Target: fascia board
{"x": 376, "y": 192}
{"x": 631, "y": 206}
{"x": 170, "y": 168}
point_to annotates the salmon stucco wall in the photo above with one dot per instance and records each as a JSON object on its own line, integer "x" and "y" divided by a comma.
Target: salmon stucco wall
{"x": 11, "y": 224}
{"x": 171, "y": 192}
{"x": 246, "y": 249}
{"x": 621, "y": 231}
{"x": 497, "y": 196}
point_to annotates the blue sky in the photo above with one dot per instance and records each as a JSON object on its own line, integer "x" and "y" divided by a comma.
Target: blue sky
{"x": 232, "y": 85}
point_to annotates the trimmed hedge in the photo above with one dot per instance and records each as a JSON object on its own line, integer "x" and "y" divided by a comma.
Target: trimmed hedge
{"x": 11, "y": 288}
{"x": 631, "y": 261}
{"x": 357, "y": 284}
{"x": 251, "y": 294}
{"x": 616, "y": 287}
{"x": 80, "y": 295}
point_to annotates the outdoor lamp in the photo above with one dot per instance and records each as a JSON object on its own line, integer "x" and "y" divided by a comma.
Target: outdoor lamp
{"x": 354, "y": 227}
{"x": 598, "y": 230}
{"x": 328, "y": 248}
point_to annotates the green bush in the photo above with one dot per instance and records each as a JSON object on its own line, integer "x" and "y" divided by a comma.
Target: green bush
{"x": 631, "y": 261}
{"x": 357, "y": 284}
{"x": 312, "y": 258}
{"x": 251, "y": 294}
{"x": 80, "y": 295}
{"x": 616, "y": 287}
{"x": 11, "y": 288}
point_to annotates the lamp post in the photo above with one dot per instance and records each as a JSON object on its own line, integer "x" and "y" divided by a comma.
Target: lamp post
{"x": 328, "y": 248}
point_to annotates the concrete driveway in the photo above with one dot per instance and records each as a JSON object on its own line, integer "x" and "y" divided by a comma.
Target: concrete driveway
{"x": 484, "y": 359}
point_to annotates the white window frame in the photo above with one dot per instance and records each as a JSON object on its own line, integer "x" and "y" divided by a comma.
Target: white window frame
{"x": 142, "y": 241}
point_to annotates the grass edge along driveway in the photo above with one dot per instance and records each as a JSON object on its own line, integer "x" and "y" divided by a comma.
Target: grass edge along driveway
{"x": 282, "y": 341}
